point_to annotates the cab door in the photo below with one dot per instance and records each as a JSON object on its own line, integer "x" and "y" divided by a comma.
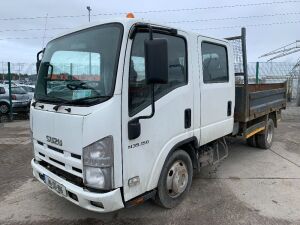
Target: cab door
{"x": 144, "y": 156}
{"x": 217, "y": 87}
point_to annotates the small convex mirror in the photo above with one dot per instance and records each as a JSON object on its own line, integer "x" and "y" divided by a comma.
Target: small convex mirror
{"x": 156, "y": 61}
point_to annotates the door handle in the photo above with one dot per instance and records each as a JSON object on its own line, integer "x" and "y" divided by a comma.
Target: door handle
{"x": 229, "y": 108}
{"x": 187, "y": 118}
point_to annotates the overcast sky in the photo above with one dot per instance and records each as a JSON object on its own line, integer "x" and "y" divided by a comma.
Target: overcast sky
{"x": 261, "y": 38}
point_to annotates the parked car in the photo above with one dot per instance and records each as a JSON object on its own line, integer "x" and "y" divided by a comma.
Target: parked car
{"x": 6, "y": 82}
{"x": 29, "y": 89}
{"x": 20, "y": 99}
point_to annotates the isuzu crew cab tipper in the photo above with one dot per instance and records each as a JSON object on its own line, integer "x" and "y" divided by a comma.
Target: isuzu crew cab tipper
{"x": 126, "y": 110}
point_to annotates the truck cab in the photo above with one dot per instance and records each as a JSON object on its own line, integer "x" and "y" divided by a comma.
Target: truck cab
{"x": 124, "y": 109}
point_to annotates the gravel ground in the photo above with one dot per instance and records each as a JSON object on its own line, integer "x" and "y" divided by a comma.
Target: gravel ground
{"x": 251, "y": 186}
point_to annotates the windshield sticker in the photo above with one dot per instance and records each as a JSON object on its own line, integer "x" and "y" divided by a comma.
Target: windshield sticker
{"x": 78, "y": 94}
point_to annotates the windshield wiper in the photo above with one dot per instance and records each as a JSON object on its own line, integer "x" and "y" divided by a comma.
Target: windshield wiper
{"x": 77, "y": 101}
{"x": 74, "y": 86}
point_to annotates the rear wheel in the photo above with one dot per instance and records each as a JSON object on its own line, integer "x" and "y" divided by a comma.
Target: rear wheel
{"x": 175, "y": 180}
{"x": 4, "y": 108}
{"x": 251, "y": 141}
{"x": 265, "y": 139}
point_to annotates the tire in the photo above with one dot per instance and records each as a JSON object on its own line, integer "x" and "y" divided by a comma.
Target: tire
{"x": 175, "y": 180}
{"x": 4, "y": 108}
{"x": 251, "y": 141}
{"x": 265, "y": 140}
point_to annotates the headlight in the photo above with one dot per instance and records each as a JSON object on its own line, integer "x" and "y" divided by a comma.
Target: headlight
{"x": 98, "y": 164}
{"x": 100, "y": 178}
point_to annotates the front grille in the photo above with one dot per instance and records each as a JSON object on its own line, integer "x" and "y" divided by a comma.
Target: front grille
{"x": 64, "y": 160}
{"x": 56, "y": 161}
{"x": 75, "y": 156}
{"x": 63, "y": 174}
{"x": 77, "y": 170}
{"x": 55, "y": 149}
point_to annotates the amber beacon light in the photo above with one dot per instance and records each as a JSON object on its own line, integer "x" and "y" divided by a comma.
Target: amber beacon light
{"x": 130, "y": 15}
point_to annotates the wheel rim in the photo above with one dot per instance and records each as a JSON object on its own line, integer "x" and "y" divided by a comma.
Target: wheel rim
{"x": 269, "y": 134}
{"x": 3, "y": 109}
{"x": 177, "y": 179}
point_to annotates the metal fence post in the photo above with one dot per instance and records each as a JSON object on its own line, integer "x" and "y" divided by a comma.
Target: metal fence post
{"x": 298, "y": 91}
{"x": 257, "y": 72}
{"x": 9, "y": 87}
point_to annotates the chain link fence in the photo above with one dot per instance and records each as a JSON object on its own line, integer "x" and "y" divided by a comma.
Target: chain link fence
{"x": 20, "y": 72}
{"x": 262, "y": 72}
{"x": 15, "y": 100}
{"x": 276, "y": 72}
{"x": 265, "y": 72}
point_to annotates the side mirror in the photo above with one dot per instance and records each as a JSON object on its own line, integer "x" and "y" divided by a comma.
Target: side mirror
{"x": 134, "y": 129}
{"x": 156, "y": 61}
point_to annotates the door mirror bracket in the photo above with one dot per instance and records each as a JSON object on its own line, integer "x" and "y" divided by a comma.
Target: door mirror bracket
{"x": 156, "y": 72}
{"x": 134, "y": 125}
{"x": 38, "y": 60}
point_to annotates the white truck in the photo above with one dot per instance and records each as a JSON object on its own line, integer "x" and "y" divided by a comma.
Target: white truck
{"x": 126, "y": 110}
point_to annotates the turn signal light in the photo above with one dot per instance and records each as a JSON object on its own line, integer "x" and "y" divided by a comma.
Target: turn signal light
{"x": 130, "y": 15}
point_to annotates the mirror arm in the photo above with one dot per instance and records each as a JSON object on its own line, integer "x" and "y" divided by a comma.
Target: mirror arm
{"x": 38, "y": 60}
{"x": 51, "y": 66}
{"x": 152, "y": 89}
{"x": 152, "y": 107}
{"x": 38, "y": 54}
{"x": 134, "y": 126}
{"x": 150, "y": 32}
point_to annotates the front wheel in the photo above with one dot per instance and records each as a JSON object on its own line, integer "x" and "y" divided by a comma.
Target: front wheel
{"x": 4, "y": 108}
{"x": 175, "y": 180}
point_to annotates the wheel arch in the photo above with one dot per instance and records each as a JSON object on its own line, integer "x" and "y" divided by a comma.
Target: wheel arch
{"x": 188, "y": 145}
{"x": 4, "y": 101}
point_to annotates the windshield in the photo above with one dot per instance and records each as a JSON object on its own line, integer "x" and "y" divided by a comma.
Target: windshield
{"x": 80, "y": 66}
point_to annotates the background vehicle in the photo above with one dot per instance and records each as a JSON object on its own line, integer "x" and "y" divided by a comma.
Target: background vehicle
{"x": 6, "y": 82}
{"x": 29, "y": 89}
{"x": 20, "y": 99}
{"x": 126, "y": 110}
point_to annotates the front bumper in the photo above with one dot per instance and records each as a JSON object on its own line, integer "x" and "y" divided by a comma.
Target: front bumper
{"x": 111, "y": 201}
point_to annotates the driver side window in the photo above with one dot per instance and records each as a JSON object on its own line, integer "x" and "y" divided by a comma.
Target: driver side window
{"x": 139, "y": 92}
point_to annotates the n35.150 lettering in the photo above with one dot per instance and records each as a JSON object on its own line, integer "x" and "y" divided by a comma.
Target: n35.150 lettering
{"x": 138, "y": 144}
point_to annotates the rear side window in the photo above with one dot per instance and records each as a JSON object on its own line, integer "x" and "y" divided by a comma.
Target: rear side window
{"x": 215, "y": 63}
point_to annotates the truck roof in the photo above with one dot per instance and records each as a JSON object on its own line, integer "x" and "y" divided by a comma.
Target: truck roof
{"x": 127, "y": 23}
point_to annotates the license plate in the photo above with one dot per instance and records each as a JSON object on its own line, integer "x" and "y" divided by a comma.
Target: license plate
{"x": 57, "y": 187}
